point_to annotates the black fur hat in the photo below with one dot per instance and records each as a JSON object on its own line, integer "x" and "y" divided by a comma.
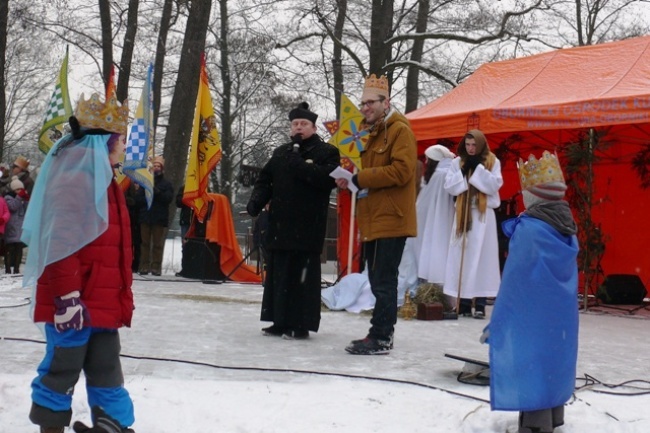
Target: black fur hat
{"x": 302, "y": 112}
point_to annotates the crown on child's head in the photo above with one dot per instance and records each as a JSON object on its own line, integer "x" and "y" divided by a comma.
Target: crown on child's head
{"x": 379, "y": 86}
{"x": 540, "y": 171}
{"x": 110, "y": 116}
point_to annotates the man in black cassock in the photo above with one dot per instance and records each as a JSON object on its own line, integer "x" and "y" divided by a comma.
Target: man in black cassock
{"x": 296, "y": 184}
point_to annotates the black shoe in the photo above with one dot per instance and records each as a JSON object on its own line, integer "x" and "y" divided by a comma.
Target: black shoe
{"x": 143, "y": 272}
{"x": 155, "y": 274}
{"x": 103, "y": 424}
{"x": 295, "y": 334}
{"x": 273, "y": 331}
{"x": 369, "y": 346}
{"x": 479, "y": 315}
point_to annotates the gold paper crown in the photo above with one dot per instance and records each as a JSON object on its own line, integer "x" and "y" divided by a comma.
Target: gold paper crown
{"x": 539, "y": 171}
{"x": 377, "y": 85}
{"x": 110, "y": 116}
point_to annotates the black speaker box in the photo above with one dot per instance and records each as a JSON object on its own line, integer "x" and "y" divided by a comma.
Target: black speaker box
{"x": 201, "y": 260}
{"x": 622, "y": 289}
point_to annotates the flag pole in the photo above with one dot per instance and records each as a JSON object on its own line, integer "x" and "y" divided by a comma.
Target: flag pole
{"x": 351, "y": 232}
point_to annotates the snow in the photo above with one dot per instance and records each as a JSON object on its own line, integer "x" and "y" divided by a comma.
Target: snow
{"x": 195, "y": 361}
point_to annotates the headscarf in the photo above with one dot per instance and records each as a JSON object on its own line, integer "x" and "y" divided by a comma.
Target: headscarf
{"x": 465, "y": 198}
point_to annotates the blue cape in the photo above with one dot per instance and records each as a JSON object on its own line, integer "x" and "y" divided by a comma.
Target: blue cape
{"x": 534, "y": 325}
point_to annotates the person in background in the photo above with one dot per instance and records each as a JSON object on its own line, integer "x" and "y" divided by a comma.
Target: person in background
{"x": 385, "y": 208}
{"x": 17, "y": 200}
{"x": 435, "y": 214}
{"x": 154, "y": 221}
{"x": 21, "y": 169}
{"x": 533, "y": 332}
{"x": 474, "y": 178}
{"x": 5, "y": 179}
{"x": 184, "y": 220}
{"x": 79, "y": 266}
{"x": 297, "y": 184}
{"x": 134, "y": 215}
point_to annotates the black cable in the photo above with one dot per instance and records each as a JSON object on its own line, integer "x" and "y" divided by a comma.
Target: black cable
{"x": 275, "y": 370}
{"x": 26, "y": 301}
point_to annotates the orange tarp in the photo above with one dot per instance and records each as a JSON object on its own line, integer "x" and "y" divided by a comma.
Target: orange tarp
{"x": 221, "y": 230}
{"x": 548, "y": 100}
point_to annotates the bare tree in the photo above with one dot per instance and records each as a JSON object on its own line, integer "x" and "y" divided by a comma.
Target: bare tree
{"x": 127, "y": 51}
{"x": 107, "y": 40}
{"x": 4, "y": 15}
{"x": 181, "y": 114}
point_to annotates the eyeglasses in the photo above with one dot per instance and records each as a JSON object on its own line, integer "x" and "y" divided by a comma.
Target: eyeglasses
{"x": 369, "y": 102}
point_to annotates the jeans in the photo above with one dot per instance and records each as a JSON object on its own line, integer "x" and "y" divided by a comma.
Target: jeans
{"x": 383, "y": 257}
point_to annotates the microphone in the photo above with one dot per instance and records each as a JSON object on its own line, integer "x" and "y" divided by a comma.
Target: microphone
{"x": 296, "y": 147}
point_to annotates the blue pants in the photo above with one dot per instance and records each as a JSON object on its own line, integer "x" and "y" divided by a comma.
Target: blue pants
{"x": 383, "y": 257}
{"x": 95, "y": 351}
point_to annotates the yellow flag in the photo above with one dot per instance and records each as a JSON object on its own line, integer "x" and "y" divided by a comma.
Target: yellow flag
{"x": 205, "y": 150}
{"x": 349, "y": 138}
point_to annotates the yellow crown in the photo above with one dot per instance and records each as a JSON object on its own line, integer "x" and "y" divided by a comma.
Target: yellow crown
{"x": 377, "y": 85}
{"x": 539, "y": 171}
{"x": 110, "y": 116}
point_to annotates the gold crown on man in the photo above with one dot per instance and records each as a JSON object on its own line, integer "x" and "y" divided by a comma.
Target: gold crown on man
{"x": 109, "y": 116}
{"x": 539, "y": 171}
{"x": 376, "y": 85}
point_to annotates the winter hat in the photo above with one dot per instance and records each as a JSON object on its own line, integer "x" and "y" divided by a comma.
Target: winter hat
{"x": 302, "y": 112}
{"x": 16, "y": 184}
{"x": 160, "y": 160}
{"x": 438, "y": 152}
{"x": 22, "y": 163}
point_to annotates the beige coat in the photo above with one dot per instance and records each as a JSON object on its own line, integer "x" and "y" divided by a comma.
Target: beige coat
{"x": 389, "y": 165}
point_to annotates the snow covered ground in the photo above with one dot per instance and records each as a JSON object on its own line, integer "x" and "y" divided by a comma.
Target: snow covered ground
{"x": 195, "y": 361}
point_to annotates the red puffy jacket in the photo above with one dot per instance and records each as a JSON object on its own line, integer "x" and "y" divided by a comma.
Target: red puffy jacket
{"x": 101, "y": 271}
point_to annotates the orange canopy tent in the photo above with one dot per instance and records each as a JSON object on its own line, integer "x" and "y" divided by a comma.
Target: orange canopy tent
{"x": 548, "y": 100}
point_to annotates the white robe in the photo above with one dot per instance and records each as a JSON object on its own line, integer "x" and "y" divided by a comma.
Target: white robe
{"x": 435, "y": 214}
{"x": 481, "y": 276}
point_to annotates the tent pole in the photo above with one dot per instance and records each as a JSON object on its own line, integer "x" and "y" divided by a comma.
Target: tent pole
{"x": 589, "y": 182}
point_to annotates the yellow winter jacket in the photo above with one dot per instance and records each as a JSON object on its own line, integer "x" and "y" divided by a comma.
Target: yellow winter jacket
{"x": 388, "y": 171}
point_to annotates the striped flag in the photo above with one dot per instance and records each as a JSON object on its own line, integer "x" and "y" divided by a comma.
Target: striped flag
{"x": 349, "y": 138}
{"x": 58, "y": 111}
{"x": 138, "y": 165}
{"x": 205, "y": 149}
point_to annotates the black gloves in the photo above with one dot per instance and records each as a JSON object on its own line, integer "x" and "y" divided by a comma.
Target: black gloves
{"x": 470, "y": 164}
{"x": 252, "y": 208}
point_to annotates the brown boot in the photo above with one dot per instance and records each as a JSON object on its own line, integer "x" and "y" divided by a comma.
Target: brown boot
{"x": 52, "y": 429}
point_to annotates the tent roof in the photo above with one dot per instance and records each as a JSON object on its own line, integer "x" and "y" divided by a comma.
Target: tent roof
{"x": 575, "y": 88}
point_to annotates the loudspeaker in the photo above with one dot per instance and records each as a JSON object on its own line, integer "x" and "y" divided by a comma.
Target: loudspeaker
{"x": 622, "y": 289}
{"x": 201, "y": 260}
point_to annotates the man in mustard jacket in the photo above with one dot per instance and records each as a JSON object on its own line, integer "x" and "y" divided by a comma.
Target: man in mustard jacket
{"x": 385, "y": 208}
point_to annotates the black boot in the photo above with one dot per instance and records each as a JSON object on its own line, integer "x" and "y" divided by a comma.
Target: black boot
{"x": 103, "y": 424}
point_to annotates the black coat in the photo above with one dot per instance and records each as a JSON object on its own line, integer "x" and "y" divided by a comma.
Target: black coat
{"x": 298, "y": 186}
{"x": 163, "y": 194}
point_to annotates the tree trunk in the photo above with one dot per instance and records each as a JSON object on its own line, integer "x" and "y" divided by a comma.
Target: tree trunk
{"x": 159, "y": 63}
{"x": 183, "y": 103}
{"x": 337, "y": 54}
{"x": 4, "y": 17}
{"x": 107, "y": 40}
{"x": 380, "y": 31}
{"x": 127, "y": 52}
{"x": 226, "y": 114}
{"x": 413, "y": 74}
{"x": 581, "y": 40}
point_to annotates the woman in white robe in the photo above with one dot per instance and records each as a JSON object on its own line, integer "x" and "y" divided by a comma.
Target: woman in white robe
{"x": 474, "y": 176}
{"x": 435, "y": 215}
